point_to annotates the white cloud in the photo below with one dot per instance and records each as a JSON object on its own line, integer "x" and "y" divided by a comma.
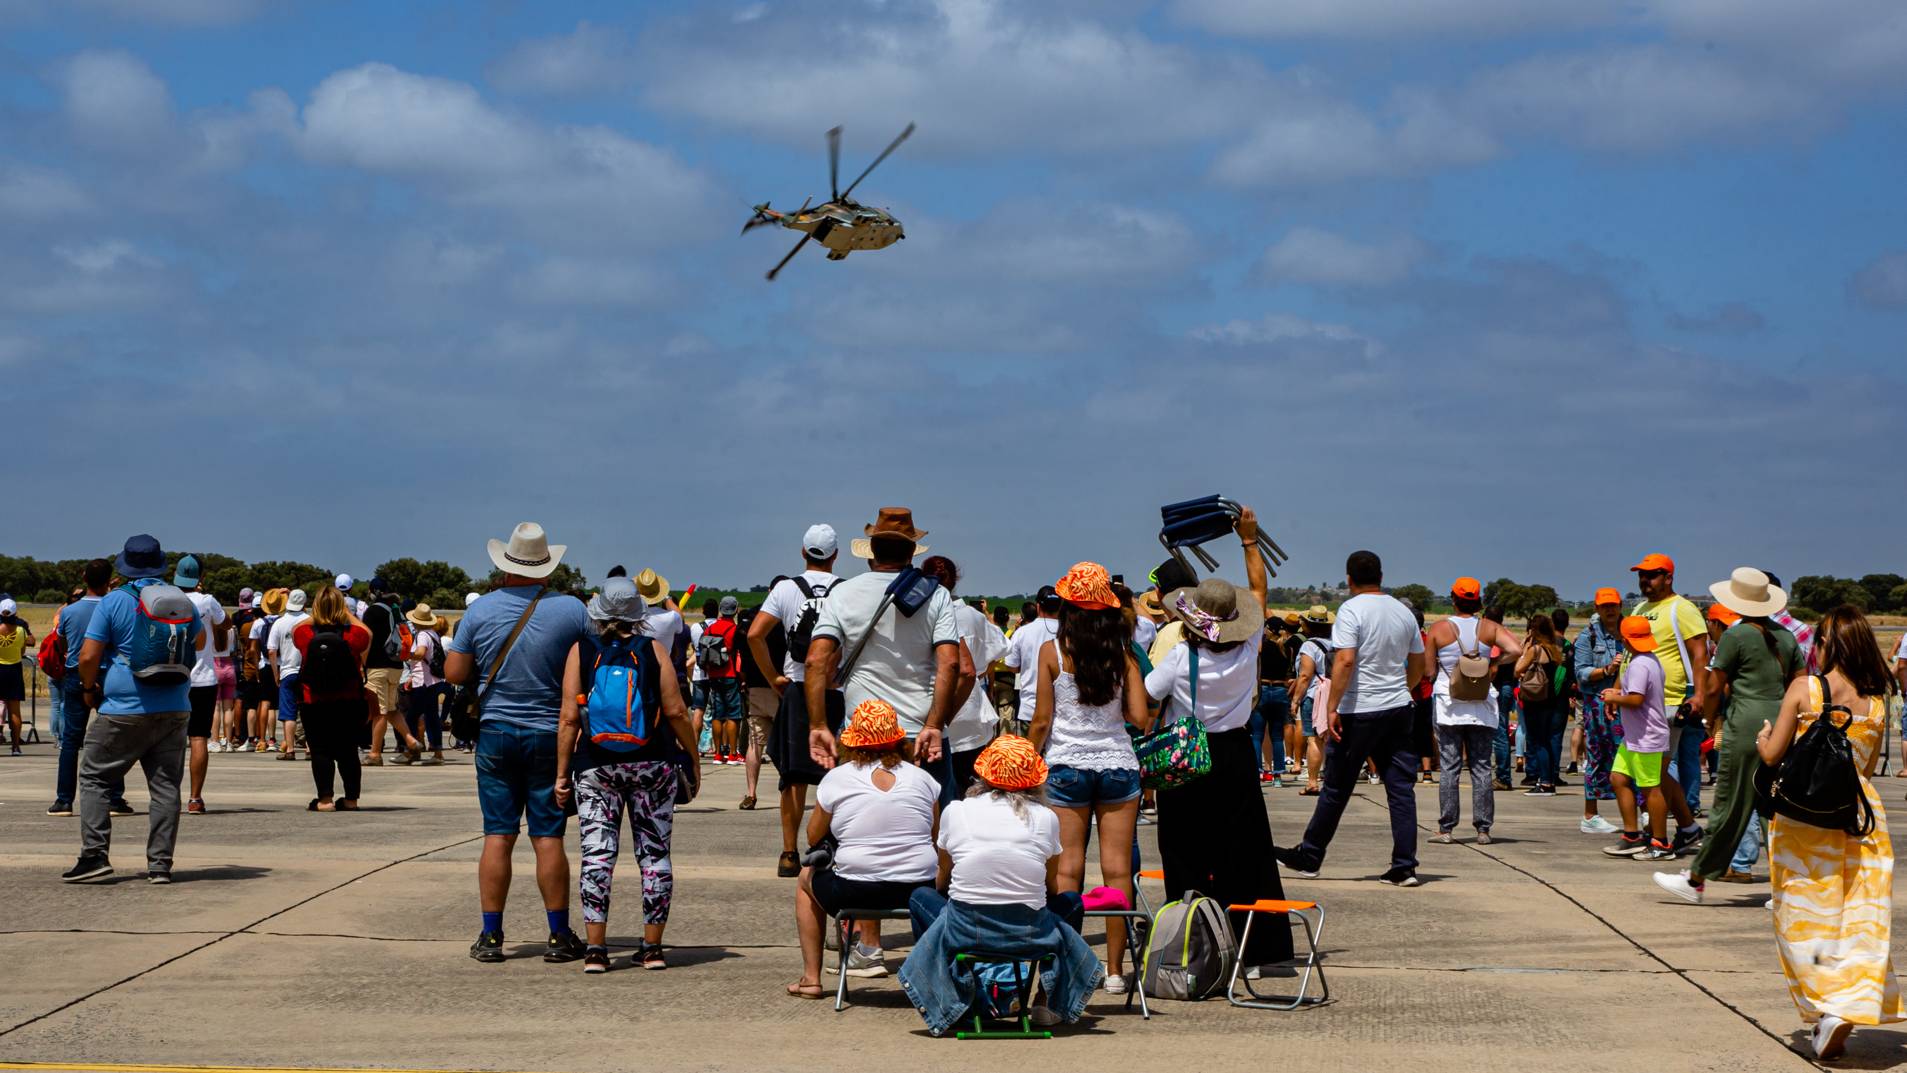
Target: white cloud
{"x": 113, "y": 101}
{"x": 173, "y": 12}
{"x": 979, "y": 76}
{"x": 37, "y": 193}
{"x": 586, "y": 183}
{"x": 95, "y": 258}
{"x": 1882, "y": 283}
{"x": 1310, "y": 255}
{"x": 588, "y": 58}
{"x": 1636, "y": 98}
{"x": 1283, "y": 328}
{"x": 1361, "y": 19}
{"x": 1315, "y": 140}
{"x": 591, "y": 281}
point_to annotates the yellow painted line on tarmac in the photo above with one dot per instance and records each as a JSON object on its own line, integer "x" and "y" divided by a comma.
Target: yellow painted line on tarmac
{"x": 107, "y": 1067}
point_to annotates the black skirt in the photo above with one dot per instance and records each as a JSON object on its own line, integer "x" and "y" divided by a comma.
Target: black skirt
{"x": 12, "y": 682}
{"x": 1215, "y": 838}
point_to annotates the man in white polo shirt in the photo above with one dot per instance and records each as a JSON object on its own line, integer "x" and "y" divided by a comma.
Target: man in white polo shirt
{"x": 1367, "y": 717}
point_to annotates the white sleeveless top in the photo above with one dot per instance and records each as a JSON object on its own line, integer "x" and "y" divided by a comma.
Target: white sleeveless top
{"x": 1461, "y": 713}
{"x": 1088, "y": 736}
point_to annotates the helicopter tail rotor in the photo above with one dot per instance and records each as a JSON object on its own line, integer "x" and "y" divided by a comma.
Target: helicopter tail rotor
{"x": 760, "y": 219}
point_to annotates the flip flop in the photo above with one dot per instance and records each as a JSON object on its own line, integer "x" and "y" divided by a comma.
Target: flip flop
{"x": 800, "y": 991}
{"x": 1310, "y": 792}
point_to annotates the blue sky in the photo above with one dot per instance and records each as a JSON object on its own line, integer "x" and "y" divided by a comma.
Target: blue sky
{"x": 1495, "y": 287}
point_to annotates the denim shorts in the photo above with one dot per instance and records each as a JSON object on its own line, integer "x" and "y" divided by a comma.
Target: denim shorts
{"x": 725, "y": 701}
{"x": 516, "y": 774}
{"x": 1078, "y": 787}
{"x": 699, "y": 694}
{"x": 1304, "y": 711}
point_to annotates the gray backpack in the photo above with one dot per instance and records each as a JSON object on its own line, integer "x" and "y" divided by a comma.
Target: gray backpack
{"x": 1191, "y": 950}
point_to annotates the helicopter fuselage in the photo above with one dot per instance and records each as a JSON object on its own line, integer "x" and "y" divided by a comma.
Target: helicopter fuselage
{"x": 843, "y": 228}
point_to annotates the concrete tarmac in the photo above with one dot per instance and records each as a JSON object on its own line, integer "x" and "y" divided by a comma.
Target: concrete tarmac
{"x": 314, "y": 940}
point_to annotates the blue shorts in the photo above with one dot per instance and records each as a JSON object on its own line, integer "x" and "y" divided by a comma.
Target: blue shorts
{"x": 725, "y": 700}
{"x": 516, "y": 774}
{"x": 1078, "y": 787}
{"x": 1304, "y": 712}
{"x": 289, "y": 696}
{"x": 699, "y": 695}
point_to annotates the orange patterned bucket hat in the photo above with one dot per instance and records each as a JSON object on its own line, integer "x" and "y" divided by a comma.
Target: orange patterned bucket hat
{"x": 1011, "y": 763}
{"x": 1087, "y": 585}
{"x": 873, "y": 725}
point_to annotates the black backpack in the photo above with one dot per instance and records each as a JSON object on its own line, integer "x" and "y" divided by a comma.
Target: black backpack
{"x": 436, "y": 654}
{"x": 329, "y": 666}
{"x": 1817, "y": 781}
{"x": 801, "y": 630}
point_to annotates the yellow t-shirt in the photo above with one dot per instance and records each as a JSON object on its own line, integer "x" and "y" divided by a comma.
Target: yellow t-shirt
{"x": 1674, "y": 675}
{"x": 1170, "y": 636}
{"x": 12, "y": 646}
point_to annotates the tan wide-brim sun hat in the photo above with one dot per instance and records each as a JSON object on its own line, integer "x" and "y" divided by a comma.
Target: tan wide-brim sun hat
{"x": 1748, "y": 592}
{"x": 528, "y": 553}
{"x": 1218, "y": 598}
{"x": 421, "y": 615}
{"x": 863, "y": 548}
{"x": 652, "y": 587}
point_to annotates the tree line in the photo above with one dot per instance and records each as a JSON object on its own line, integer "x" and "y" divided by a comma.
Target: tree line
{"x": 430, "y": 581}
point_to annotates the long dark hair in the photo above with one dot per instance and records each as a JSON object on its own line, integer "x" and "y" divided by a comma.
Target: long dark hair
{"x": 1765, "y": 626}
{"x": 1543, "y": 632}
{"x": 1098, "y": 641}
{"x": 1846, "y": 644}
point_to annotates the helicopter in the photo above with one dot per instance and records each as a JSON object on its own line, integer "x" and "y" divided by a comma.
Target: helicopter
{"x": 841, "y": 224}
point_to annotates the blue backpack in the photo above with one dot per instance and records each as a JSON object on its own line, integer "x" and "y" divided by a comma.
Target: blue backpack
{"x": 160, "y": 652}
{"x": 622, "y": 710}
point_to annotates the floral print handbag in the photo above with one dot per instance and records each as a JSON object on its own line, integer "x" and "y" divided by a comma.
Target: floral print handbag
{"x": 1177, "y": 752}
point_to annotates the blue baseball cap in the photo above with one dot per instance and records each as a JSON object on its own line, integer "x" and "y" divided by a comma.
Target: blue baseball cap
{"x": 187, "y": 575}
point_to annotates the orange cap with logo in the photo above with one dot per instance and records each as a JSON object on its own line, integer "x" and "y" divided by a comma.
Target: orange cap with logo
{"x": 1639, "y": 633}
{"x": 1655, "y": 560}
{"x": 1605, "y": 597}
{"x": 1467, "y": 588}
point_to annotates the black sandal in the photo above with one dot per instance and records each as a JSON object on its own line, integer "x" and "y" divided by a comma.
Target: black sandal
{"x": 313, "y": 807}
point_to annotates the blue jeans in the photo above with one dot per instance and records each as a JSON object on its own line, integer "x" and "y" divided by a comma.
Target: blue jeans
{"x": 943, "y": 928}
{"x": 73, "y": 741}
{"x": 1269, "y": 717}
{"x": 1749, "y": 851}
{"x": 56, "y": 707}
{"x": 1505, "y": 707}
{"x": 1685, "y": 764}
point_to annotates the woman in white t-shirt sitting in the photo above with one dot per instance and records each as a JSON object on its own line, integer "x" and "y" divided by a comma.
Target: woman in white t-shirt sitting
{"x": 1214, "y": 836}
{"x": 879, "y": 811}
{"x": 1089, "y": 688}
{"x": 997, "y": 892}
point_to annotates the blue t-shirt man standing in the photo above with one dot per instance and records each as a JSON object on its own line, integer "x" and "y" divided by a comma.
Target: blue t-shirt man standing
{"x": 140, "y": 722}
{"x": 70, "y": 632}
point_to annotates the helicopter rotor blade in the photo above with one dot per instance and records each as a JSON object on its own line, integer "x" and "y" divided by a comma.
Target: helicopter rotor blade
{"x": 891, "y": 146}
{"x": 783, "y": 263}
{"x": 834, "y": 164}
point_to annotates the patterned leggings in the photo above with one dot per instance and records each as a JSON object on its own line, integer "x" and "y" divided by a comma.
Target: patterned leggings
{"x": 1602, "y": 732}
{"x": 646, "y": 789}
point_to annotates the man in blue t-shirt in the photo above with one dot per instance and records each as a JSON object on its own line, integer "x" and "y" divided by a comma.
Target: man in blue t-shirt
{"x": 70, "y": 635}
{"x": 139, "y": 721}
{"x": 519, "y": 701}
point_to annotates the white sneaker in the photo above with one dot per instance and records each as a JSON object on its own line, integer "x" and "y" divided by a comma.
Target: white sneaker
{"x": 1677, "y": 883}
{"x": 1596, "y": 825}
{"x": 868, "y": 965}
{"x": 1830, "y": 1037}
{"x": 1115, "y": 985}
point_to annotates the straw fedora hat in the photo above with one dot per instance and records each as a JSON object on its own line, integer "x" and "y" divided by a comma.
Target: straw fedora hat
{"x": 1217, "y": 610}
{"x": 1749, "y": 592}
{"x": 422, "y": 616}
{"x": 529, "y": 552}
{"x": 652, "y": 587}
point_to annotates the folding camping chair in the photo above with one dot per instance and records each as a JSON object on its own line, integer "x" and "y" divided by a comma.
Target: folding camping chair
{"x": 1194, "y": 522}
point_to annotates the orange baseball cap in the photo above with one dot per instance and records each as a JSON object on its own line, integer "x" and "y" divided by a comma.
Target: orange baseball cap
{"x": 1608, "y": 596}
{"x": 1718, "y": 613}
{"x": 1467, "y": 588}
{"x": 1639, "y": 632}
{"x": 1655, "y": 560}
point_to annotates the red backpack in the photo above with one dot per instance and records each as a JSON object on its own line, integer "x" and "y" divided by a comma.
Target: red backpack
{"x": 52, "y": 658}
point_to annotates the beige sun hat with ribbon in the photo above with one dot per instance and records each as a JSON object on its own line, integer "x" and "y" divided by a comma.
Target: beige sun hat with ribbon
{"x": 1749, "y": 592}
{"x": 528, "y": 553}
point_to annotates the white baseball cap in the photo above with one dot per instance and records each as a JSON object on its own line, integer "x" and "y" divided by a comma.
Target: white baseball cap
{"x": 471, "y": 598}
{"x": 8, "y": 607}
{"x": 819, "y": 541}
{"x": 344, "y": 582}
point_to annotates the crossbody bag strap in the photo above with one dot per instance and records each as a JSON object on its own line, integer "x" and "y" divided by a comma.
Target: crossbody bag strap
{"x": 841, "y": 675}
{"x": 496, "y": 665}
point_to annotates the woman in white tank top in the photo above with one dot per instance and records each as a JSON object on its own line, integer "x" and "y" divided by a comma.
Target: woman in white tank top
{"x": 1089, "y": 689}
{"x": 1466, "y": 729}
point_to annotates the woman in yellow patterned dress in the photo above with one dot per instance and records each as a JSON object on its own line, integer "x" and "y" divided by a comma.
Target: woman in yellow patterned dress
{"x": 1834, "y": 892}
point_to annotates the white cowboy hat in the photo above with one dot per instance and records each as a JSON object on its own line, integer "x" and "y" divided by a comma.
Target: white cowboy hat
{"x": 529, "y": 552}
{"x": 1749, "y": 592}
